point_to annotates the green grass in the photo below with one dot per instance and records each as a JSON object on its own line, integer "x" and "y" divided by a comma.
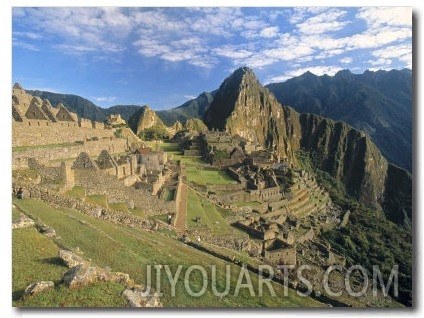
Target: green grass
{"x": 170, "y": 147}
{"x": 76, "y": 192}
{"x": 129, "y": 250}
{"x": 102, "y": 294}
{"x": 97, "y": 199}
{"x": 49, "y": 146}
{"x": 119, "y": 207}
{"x": 205, "y": 177}
{"x": 242, "y": 203}
{"x": 211, "y": 217}
{"x": 34, "y": 258}
{"x": 169, "y": 194}
{"x": 137, "y": 212}
{"x": 15, "y": 215}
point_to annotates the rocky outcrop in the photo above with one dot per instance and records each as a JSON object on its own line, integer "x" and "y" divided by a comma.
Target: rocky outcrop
{"x": 144, "y": 118}
{"x": 195, "y": 125}
{"x": 177, "y": 126}
{"x": 23, "y": 222}
{"x": 136, "y": 297}
{"x": 71, "y": 259}
{"x": 242, "y": 106}
{"x": 38, "y": 287}
{"x": 82, "y": 275}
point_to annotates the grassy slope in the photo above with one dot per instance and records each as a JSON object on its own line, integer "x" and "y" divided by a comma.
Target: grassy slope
{"x": 130, "y": 250}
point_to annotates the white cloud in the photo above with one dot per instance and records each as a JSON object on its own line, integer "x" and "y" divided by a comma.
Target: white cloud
{"x": 328, "y": 21}
{"x": 317, "y": 70}
{"x": 381, "y": 63}
{"x": 204, "y": 36}
{"x": 384, "y": 37}
{"x": 346, "y": 60}
{"x": 29, "y": 35}
{"x": 24, "y": 45}
{"x": 105, "y": 99}
{"x": 269, "y": 32}
{"x": 232, "y": 52}
{"x": 395, "y": 51}
{"x": 289, "y": 53}
{"x": 401, "y": 52}
{"x": 377, "y": 17}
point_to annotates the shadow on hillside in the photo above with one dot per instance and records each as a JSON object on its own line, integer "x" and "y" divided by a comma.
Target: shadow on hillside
{"x": 53, "y": 261}
{"x": 18, "y": 294}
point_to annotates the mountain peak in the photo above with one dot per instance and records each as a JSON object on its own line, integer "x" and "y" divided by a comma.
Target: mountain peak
{"x": 18, "y": 86}
{"x": 241, "y": 80}
{"x": 345, "y": 74}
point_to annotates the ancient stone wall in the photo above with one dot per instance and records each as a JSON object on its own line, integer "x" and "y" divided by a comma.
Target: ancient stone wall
{"x": 50, "y": 173}
{"x": 249, "y": 230}
{"x": 43, "y": 132}
{"x": 99, "y": 183}
{"x": 85, "y": 123}
{"x": 282, "y": 256}
{"x": 224, "y": 187}
{"x": 92, "y": 148}
{"x": 53, "y": 197}
{"x": 267, "y": 194}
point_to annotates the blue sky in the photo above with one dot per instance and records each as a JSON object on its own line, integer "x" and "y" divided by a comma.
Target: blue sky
{"x": 165, "y": 56}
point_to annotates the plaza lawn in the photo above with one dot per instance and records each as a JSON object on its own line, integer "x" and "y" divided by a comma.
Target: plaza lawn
{"x": 208, "y": 177}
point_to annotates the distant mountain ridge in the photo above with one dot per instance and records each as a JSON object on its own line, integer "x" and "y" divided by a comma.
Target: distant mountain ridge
{"x": 194, "y": 108}
{"x": 378, "y": 103}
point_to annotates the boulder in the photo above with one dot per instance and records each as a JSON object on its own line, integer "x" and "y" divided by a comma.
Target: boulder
{"x": 22, "y": 222}
{"x": 71, "y": 259}
{"x": 46, "y": 230}
{"x": 82, "y": 275}
{"x": 37, "y": 287}
{"x": 136, "y": 297}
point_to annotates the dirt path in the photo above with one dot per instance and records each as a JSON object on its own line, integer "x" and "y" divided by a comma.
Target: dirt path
{"x": 181, "y": 215}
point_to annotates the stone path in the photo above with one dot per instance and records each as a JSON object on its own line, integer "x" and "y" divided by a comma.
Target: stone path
{"x": 181, "y": 215}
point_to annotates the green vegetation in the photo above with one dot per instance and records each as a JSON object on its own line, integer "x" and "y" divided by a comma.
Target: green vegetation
{"x": 169, "y": 194}
{"x": 309, "y": 161}
{"x": 243, "y": 203}
{"x": 76, "y": 192}
{"x": 128, "y": 250}
{"x": 49, "y": 146}
{"x": 119, "y": 207}
{"x": 118, "y": 132}
{"x": 97, "y": 199}
{"x": 205, "y": 177}
{"x": 157, "y": 132}
{"x": 210, "y": 217}
{"x": 34, "y": 258}
{"x": 369, "y": 238}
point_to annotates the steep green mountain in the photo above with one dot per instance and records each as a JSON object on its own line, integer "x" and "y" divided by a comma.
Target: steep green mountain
{"x": 243, "y": 106}
{"x": 79, "y": 105}
{"x": 194, "y": 108}
{"x": 378, "y": 103}
{"x": 145, "y": 118}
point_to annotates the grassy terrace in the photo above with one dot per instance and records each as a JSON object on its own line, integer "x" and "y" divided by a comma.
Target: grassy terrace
{"x": 211, "y": 217}
{"x": 49, "y": 146}
{"x": 206, "y": 177}
{"x": 123, "y": 249}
